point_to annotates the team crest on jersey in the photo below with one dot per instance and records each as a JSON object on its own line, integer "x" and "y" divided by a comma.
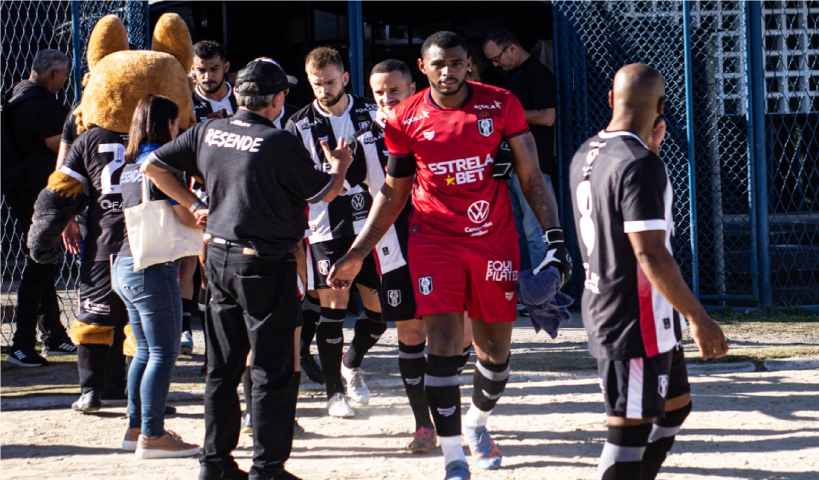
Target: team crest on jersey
{"x": 429, "y": 135}
{"x": 363, "y": 125}
{"x": 662, "y": 389}
{"x": 486, "y": 126}
{"x": 385, "y": 250}
{"x": 425, "y": 285}
{"x": 324, "y": 267}
{"x": 394, "y": 297}
{"x": 357, "y": 201}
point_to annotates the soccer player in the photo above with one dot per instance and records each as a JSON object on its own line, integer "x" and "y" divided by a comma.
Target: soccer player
{"x": 391, "y": 82}
{"x": 462, "y": 244}
{"x": 334, "y": 226}
{"x": 635, "y": 297}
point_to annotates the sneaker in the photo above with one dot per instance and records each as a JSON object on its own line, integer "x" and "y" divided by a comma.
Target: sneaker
{"x": 169, "y": 445}
{"x": 88, "y": 402}
{"x": 26, "y": 357}
{"x": 247, "y": 423}
{"x": 114, "y": 399}
{"x": 64, "y": 348}
{"x": 485, "y": 453}
{"x": 186, "y": 343}
{"x": 423, "y": 441}
{"x": 129, "y": 443}
{"x": 312, "y": 369}
{"x": 338, "y": 407}
{"x": 356, "y": 388}
{"x": 457, "y": 470}
{"x": 298, "y": 430}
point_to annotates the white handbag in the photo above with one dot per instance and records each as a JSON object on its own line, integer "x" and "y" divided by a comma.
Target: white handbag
{"x": 156, "y": 234}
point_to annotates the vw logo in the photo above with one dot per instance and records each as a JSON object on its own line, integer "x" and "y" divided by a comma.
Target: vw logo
{"x": 478, "y": 211}
{"x": 357, "y": 201}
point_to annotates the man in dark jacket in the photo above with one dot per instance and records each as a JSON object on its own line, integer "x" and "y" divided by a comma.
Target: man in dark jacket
{"x": 35, "y": 122}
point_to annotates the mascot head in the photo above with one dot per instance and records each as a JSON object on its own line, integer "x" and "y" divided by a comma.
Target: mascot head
{"x": 119, "y": 78}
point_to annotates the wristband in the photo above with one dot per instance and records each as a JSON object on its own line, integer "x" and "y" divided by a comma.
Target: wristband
{"x": 196, "y": 205}
{"x": 553, "y": 235}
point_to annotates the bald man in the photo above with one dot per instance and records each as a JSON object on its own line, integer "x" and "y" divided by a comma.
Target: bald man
{"x": 636, "y": 302}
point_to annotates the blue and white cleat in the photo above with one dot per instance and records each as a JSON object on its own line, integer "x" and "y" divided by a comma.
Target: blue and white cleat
{"x": 457, "y": 470}
{"x": 485, "y": 453}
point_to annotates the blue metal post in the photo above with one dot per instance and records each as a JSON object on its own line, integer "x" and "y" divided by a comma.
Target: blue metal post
{"x": 692, "y": 165}
{"x": 76, "y": 40}
{"x": 756, "y": 145}
{"x": 148, "y": 24}
{"x": 556, "y": 45}
{"x": 356, "y": 34}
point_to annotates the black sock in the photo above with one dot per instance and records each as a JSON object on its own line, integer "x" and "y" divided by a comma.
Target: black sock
{"x": 622, "y": 456}
{"x": 247, "y": 384}
{"x": 91, "y": 366}
{"x": 444, "y": 394}
{"x": 190, "y": 310}
{"x": 661, "y": 440}
{"x": 368, "y": 329}
{"x": 412, "y": 364}
{"x": 465, "y": 358}
{"x": 311, "y": 312}
{"x": 489, "y": 381}
{"x": 330, "y": 339}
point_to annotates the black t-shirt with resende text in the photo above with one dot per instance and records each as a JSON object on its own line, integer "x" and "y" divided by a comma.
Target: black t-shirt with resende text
{"x": 619, "y": 187}
{"x": 96, "y": 159}
{"x": 535, "y": 87}
{"x": 258, "y": 179}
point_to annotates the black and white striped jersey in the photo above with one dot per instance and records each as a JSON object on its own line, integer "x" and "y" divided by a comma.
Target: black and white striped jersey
{"x": 346, "y": 215}
{"x": 368, "y": 146}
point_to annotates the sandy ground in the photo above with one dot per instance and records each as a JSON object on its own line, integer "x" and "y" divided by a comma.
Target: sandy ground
{"x": 753, "y": 425}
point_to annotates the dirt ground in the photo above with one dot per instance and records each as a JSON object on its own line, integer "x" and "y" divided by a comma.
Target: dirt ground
{"x": 549, "y": 424}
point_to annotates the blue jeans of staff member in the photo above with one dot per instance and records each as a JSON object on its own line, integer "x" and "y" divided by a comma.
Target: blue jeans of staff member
{"x": 530, "y": 233}
{"x": 154, "y": 306}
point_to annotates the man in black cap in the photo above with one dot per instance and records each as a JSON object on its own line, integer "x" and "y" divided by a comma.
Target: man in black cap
{"x": 258, "y": 179}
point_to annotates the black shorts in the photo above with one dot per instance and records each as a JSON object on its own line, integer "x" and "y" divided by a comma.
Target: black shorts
{"x": 323, "y": 255}
{"x": 397, "y": 293}
{"x": 638, "y": 387}
{"x": 99, "y": 304}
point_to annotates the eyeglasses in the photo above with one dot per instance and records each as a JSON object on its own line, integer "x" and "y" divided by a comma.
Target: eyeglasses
{"x": 497, "y": 59}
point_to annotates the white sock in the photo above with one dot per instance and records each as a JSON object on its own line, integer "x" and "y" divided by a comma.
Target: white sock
{"x": 475, "y": 417}
{"x": 452, "y": 448}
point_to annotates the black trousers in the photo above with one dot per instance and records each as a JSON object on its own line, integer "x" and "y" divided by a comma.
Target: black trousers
{"x": 37, "y": 305}
{"x": 255, "y": 305}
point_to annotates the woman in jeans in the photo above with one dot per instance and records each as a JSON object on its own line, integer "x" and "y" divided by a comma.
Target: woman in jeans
{"x": 151, "y": 295}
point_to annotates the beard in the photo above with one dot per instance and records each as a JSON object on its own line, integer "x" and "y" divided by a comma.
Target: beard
{"x": 329, "y": 102}
{"x": 458, "y": 88}
{"x": 212, "y": 87}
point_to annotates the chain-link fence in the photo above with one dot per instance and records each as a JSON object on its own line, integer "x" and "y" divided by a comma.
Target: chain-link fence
{"x": 741, "y": 148}
{"x": 27, "y": 27}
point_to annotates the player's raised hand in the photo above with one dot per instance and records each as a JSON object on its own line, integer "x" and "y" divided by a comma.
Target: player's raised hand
{"x": 342, "y": 154}
{"x": 344, "y": 271}
{"x": 708, "y": 337}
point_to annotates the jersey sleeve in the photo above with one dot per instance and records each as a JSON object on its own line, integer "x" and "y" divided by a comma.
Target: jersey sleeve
{"x": 514, "y": 118}
{"x": 300, "y": 176}
{"x": 179, "y": 156}
{"x": 643, "y": 183}
{"x": 69, "y": 129}
{"x": 397, "y": 141}
{"x": 74, "y": 164}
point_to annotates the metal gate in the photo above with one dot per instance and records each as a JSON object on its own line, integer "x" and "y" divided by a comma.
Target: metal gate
{"x": 743, "y": 170}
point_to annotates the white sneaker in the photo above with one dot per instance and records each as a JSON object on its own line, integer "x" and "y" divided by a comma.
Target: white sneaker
{"x": 338, "y": 407}
{"x": 356, "y": 388}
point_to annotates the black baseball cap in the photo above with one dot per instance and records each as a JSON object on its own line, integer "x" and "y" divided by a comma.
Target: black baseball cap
{"x": 261, "y": 77}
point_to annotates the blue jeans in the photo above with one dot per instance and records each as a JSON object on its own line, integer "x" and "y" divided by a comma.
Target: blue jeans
{"x": 530, "y": 233}
{"x": 154, "y": 306}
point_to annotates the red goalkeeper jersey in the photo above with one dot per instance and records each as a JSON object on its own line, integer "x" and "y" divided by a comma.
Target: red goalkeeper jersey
{"x": 454, "y": 149}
